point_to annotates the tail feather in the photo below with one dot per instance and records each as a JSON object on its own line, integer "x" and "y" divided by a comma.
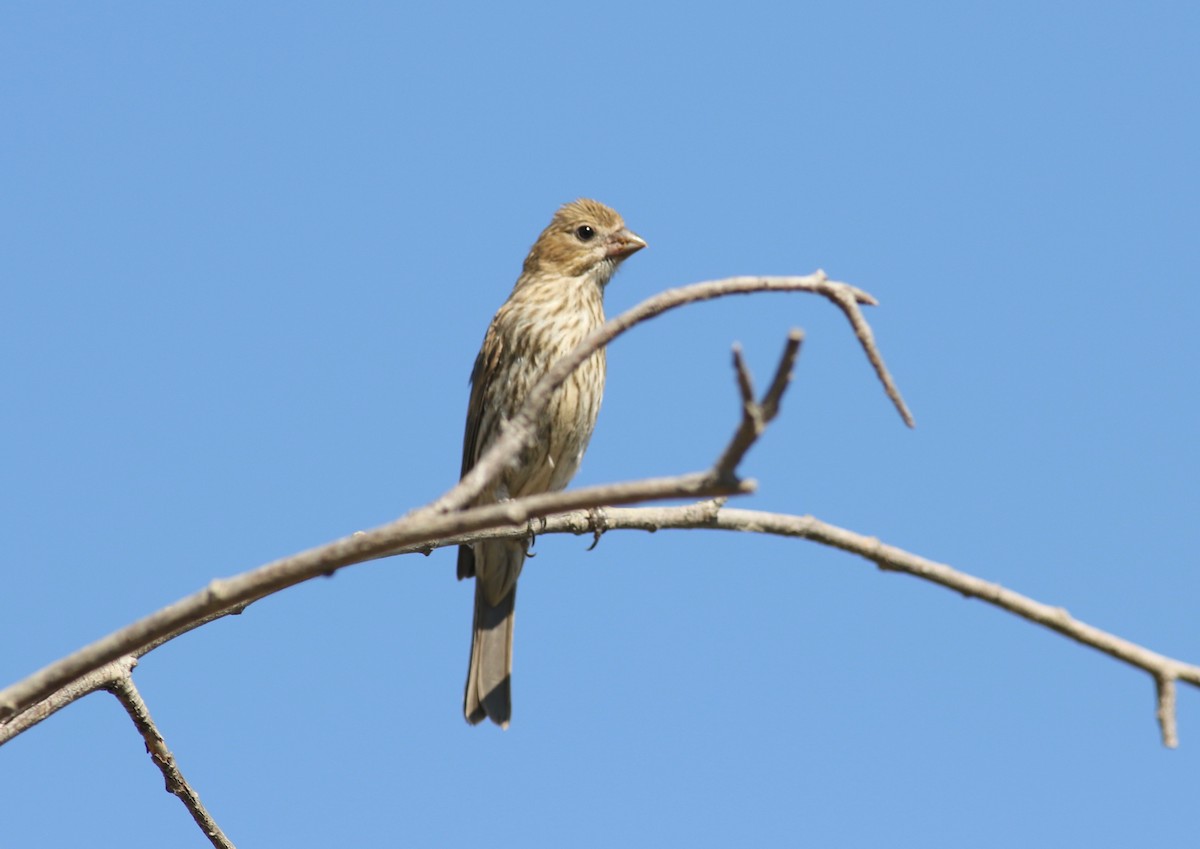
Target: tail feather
{"x": 496, "y": 565}
{"x": 489, "y": 677}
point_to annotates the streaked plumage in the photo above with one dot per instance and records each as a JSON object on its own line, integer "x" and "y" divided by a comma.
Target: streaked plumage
{"x": 556, "y": 302}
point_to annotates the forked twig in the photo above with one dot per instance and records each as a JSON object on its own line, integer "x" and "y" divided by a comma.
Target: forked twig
{"x": 756, "y": 415}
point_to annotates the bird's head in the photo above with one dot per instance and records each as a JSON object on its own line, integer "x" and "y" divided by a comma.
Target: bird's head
{"x": 585, "y": 239}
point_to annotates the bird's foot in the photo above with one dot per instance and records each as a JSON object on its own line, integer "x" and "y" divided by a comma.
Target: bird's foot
{"x": 599, "y": 521}
{"x": 531, "y": 535}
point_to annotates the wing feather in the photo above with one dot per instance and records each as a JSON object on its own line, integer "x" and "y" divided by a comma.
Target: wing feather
{"x": 487, "y": 364}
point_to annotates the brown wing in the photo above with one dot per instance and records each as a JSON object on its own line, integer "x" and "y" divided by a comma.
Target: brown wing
{"x": 486, "y": 366}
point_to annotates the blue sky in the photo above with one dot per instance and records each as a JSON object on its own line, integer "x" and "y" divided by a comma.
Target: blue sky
{"x": 248, "y": 255}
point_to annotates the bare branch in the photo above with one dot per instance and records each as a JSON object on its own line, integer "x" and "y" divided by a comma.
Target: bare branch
{"x": 232, "y": 595}
{"x": 523, "y": 426}
{"x": 714, "y": 516}
{"x": 1165, "y": 670}
{"x": 129, "y": 697}
{"x": 83, "y": 671}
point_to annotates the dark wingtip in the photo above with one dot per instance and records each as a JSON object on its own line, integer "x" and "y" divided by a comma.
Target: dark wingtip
{"x": 466, "y": 562}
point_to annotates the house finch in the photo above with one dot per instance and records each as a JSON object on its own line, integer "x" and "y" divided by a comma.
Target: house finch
{"x": 557, "y": 301}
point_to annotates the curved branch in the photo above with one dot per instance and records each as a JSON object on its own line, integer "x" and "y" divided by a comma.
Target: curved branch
{"x": 713, "y": 515}
{"x": 1165, "y": 670}
{"x": 223, "y": 597}
{"x": 523, "y": 426}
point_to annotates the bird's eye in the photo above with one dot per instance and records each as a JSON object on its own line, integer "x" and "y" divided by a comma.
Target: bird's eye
{"x": 585, "y": 233}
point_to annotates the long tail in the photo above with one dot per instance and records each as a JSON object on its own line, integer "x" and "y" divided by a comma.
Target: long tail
{"x": 489, "y": 676}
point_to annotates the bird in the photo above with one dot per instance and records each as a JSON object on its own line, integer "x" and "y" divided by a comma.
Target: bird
{"x": 558, "y": 300}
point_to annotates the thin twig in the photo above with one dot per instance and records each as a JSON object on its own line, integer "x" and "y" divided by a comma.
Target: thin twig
{"x": 849, "y": 304}
{"x": 129, "y": 697}
{"x": 744, "y": 380}
{"x": 1164, "y": 686}
{"x": 783, "y": 374}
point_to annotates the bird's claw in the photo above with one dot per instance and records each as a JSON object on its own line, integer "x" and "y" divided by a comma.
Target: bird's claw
{"x": 599, "y": 521}
{"x": 531, "y": 535}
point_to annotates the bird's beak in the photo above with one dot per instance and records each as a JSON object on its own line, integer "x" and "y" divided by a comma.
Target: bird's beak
{"x": 623, "y": 243}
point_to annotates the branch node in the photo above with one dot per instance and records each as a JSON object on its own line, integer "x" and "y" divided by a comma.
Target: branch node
{"x": 712, "y": 508}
